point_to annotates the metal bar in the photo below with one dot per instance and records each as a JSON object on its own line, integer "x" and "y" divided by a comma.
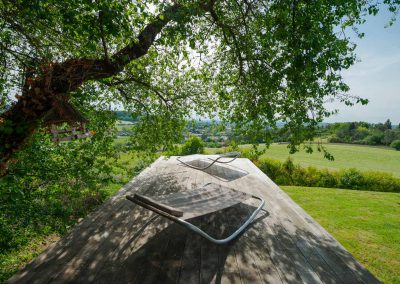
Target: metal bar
{"x": 198, "y": 168}
{"x": 232, "y": 236}
{"x": 196, "y": 229}
{"x": 237, "y": 154}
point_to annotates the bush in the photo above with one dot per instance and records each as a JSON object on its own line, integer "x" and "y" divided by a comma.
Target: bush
{"x": 327, "y": 179}
{"x": 335, "y": 139}
{"x": 374, "y": 139}
{"x": 288, "y": 173}
{"x": 395, "y": 144}
{"x": 194, "y": 145}
{"x": 270, "y": 167}
{"x": 378, "y": 181}
{"x": 351, "y": 179}
{"x": 253, "y": 153}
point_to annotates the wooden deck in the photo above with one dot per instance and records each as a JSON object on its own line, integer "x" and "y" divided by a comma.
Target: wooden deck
{"x": 124, "y": 243}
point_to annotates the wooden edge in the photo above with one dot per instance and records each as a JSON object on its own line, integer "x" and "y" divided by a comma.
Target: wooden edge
{"x": 147, "y": 200}
{"x": 149, "y": 207}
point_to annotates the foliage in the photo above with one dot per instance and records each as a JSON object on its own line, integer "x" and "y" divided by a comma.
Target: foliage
{"x": 52, "y": 185}
{"x": 363, "y": 133}
{"x": 395, "y": 144}
{"x": 166, "y": 131}
{"x": 366, "y": 223}
{"x": 253, "y": 153}
{"x": 48, "y": 182}
{"x": 37, "y": 210}
{"x": 253, "y": 64}
{"x": 288, "y": 173}
{"x": 193, "y": 145}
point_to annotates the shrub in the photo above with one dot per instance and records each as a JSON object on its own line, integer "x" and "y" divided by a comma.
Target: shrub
{"x": 351, "y": 179}
{"x": 327, "y": 179}
{"x": 334, "y": 139}
{"x": 288, "y": 173}
{"x": 378, "y": 181}
{"x": 395, "y": 144}
{"x": 308, "y": 176}
{"x": 270, "y": 167}
{"x": 374, "y": 139}
{"x": 253, "y": 154}
{"x": 194, "y": 145}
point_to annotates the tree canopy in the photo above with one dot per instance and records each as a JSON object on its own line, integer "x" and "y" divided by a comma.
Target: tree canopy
{"x": 251, "y": 62}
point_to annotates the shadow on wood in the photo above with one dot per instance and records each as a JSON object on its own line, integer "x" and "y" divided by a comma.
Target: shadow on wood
{"x": 124, "y": 243}
{"x": 226, "y": 172}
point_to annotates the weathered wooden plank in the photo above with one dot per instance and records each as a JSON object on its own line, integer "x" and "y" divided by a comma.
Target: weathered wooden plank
{"x": 290, "y": 261}
{"x": 236, "y": 215}
{"x": 211, "y": 254}
{"x": 142, "y": 265}
{"x": 190, "y": 263}
{"x": 191, "y": 260}
{"x": 330, "y": 260}
{"x": 171, "y": 263}
{"x": 125, "y": 243}
{"x": 97, "y": 247}
{"x": 253, "y": 252}
{"x": 208, "y": 251}
{"x": 228, "y": 261}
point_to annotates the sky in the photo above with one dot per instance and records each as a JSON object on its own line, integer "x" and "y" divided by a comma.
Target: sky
{"x": 376, "y": 76}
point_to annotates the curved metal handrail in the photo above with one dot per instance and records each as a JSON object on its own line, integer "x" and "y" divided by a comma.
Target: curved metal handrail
{"x": 234, "y": 156}
{"x": 196, "y": 229}
{"x": 233, "y": 235}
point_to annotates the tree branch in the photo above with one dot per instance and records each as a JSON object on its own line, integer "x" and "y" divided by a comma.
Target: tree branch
{"x": 210, "y": 8}
{"x": 149, "y": 86}
{"x": 56, "y": 79}
{"x": 145, "y": 39}
{"x": 103, "y": 41}
{"x": 127, "y": 98}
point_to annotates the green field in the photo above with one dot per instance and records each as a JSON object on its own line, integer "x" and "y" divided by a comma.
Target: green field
{"x": 366, "y": 223}
{"x": 123, "y": 125}
{"x": 363, "y": 158}
{"x": 121, "y": 141}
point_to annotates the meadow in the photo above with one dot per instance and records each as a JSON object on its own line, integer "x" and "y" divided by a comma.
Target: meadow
{"x": 123, "y": 124}
{"x": 366, "y": 223}
{"x": 363, "y": 158}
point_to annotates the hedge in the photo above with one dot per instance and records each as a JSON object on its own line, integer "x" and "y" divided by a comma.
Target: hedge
{"x": 288, "y": 173}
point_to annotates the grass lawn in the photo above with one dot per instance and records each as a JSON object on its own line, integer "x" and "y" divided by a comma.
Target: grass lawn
{"x": 363, "y": 158}
{"x": 366, "y": 223}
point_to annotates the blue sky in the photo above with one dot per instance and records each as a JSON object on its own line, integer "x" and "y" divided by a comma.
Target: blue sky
{"x": 377, "y": 75}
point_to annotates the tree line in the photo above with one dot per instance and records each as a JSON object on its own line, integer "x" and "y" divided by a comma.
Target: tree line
{"x": 364, "y": 133}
